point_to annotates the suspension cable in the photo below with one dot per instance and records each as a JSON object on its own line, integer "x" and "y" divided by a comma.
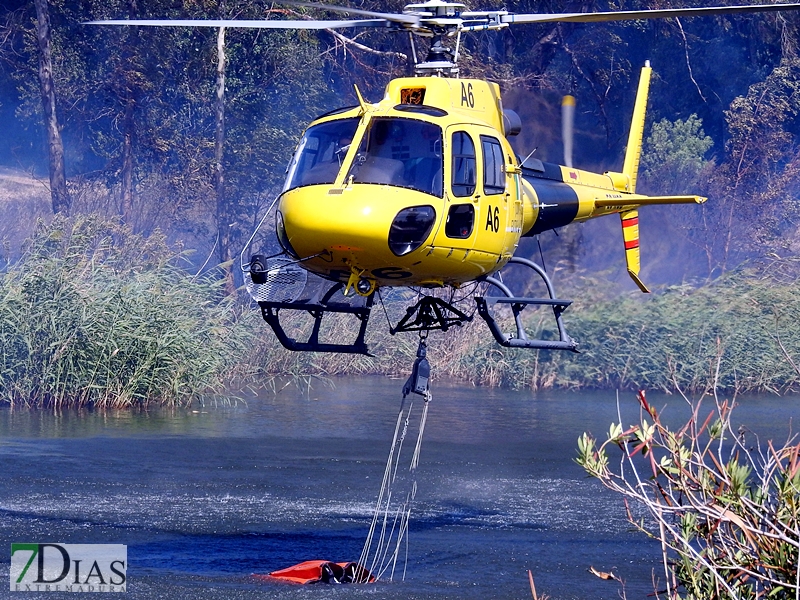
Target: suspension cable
{"x": 394, "y": 513}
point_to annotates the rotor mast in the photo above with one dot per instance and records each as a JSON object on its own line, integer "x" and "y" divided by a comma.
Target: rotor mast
{"x": 439, "y": 20}
{"x": 441, "y": 61}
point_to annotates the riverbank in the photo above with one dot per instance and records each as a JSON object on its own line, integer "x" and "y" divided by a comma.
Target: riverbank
{"x": 94, "y": 315}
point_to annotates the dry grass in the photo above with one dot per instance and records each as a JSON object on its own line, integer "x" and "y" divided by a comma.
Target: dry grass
{"x": 24, "y": 199}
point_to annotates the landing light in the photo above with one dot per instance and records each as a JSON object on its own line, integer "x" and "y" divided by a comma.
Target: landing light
{"x": 410, "y": 229}
{"x": 365, "y": 286}
{"x": 258, "y": 269}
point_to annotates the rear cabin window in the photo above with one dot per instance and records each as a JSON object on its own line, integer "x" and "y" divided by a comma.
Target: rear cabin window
{"x": 460, "y": 220}
{"x": 463, "y": 183}
{"x": 494, "y": 179}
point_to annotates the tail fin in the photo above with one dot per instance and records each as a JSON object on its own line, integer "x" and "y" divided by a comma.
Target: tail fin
{"x": 634, "y": 149}
{"x": 630, "y": 219}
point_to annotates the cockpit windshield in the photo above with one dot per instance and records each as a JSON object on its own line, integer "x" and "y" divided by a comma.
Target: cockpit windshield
{"x": 320, "y": 153}
{"x": 402, "y": 152}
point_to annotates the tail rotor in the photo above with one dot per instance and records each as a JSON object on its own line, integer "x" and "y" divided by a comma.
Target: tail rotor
{"x": 568, "y": 127}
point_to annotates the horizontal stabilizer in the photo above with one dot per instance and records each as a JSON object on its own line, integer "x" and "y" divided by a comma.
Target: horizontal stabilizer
{"x": 635, "y": 200}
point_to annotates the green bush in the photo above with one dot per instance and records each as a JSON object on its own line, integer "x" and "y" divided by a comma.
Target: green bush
{"x": 724, "y": 507}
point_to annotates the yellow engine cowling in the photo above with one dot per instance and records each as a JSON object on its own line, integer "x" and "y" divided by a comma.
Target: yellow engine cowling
{"x": 530, "y": 206}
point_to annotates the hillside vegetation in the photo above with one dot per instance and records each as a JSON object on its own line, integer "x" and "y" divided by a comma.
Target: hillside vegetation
{"x": 740, "y": 333}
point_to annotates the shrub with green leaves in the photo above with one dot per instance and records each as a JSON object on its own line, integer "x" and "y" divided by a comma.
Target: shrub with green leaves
{"x": 725, "y": 508}
{"x": 93, "y": 314}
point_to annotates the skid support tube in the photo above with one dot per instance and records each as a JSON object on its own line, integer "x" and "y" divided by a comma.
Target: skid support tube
{"x": 518, "y": 304}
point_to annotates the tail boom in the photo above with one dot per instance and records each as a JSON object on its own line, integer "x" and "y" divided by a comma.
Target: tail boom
{"x": 555, "y": 195}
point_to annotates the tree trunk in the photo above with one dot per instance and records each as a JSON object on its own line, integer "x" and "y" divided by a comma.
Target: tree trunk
{"x": 128, "y": 125}
{"x": 126, "y": 206}
{"x": 58, "y": 179}
{"x": 224, "y": 216}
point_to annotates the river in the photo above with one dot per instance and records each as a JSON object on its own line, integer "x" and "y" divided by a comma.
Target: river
{"x": 206, "y": 496}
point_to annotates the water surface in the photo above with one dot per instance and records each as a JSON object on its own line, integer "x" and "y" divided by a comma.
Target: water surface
{"x": 206, "y": 496}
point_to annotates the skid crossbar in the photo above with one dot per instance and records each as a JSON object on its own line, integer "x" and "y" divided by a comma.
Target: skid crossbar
{"x": 271, "y": 313}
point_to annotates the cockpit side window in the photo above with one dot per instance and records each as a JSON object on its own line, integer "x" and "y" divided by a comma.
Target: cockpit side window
{"x": 494, "y": 179}
{"x": 463, "y": 152}
{"x": 401, "y": 152}
{"x": 320, "y": 153}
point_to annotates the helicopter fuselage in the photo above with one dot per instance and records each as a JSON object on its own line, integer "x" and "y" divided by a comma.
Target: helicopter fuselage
{"x": 424, "y": 188}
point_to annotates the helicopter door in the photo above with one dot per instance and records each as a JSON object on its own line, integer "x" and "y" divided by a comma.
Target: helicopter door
{"x": 460, "y": 222}
{"x": 497, "y": 210}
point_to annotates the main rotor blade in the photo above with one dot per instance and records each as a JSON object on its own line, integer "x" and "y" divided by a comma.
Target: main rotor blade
{"x": 394, "y": 17}
{"x": 630, "y": 15}
{"x": 265, "y": 24}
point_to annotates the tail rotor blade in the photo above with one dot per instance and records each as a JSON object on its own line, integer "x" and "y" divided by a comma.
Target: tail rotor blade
{"x": 567, "y": 127}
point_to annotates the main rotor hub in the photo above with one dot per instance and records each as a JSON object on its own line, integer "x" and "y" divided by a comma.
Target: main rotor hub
{"x": 434, "y": 8}
{"x": 439, "y": 19}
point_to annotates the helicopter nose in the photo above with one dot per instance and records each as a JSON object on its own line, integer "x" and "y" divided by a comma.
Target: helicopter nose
{"x": 373, "y": 224}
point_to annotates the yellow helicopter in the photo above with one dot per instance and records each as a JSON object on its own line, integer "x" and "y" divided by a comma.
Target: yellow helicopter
{"x": 423, "y": 188}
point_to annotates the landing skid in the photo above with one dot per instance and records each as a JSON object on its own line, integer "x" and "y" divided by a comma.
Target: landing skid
{"x": 271, "y": 313}
{"x": 281, "y": 286}
{"x": 486, "y": 306}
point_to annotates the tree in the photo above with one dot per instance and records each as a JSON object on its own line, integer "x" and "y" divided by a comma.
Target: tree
{"x": 139, "y": 114}
{"x": 58, "y": 177}
{"x": 755, "y": 187}
{"x": 674, "y": 156}
{"x": 223, "y": 218}
{"x": 128, "y": 123}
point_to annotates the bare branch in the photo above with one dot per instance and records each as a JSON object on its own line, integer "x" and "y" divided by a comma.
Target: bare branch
{"x": 346, "y": 40}
{"x": 688, "y": 63}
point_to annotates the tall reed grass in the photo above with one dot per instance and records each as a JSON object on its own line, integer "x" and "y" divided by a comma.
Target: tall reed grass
{"x": 93, "y": 314}
{"x": 739, "y": 334}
